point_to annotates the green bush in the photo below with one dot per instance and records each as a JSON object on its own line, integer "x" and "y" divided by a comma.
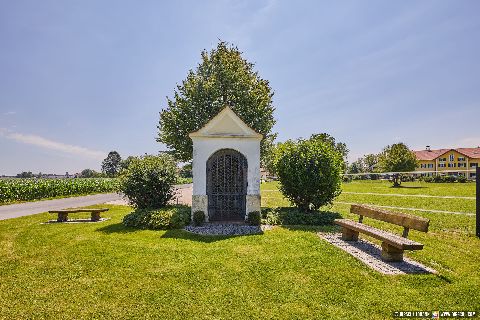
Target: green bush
{"x": 294, "y": 216}
{"x": 428, "y": 179}
{"x": 198, "y": 218}
{"x": 446, "y": 179}
{"x": 254, "y": 218}
{"x": 148, "y": 181}
{"x": 170, "y": 217}
{"x": 310, "y": 173}
{"x": 449, "y": 179}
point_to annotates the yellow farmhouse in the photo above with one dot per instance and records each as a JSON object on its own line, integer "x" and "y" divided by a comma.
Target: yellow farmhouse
{"x": 460, "y": 161}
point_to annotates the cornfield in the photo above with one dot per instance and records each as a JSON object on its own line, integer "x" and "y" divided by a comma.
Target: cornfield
{"x": 15, "y": 190}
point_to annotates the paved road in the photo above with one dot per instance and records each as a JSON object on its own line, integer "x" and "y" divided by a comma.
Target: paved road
{"x": 184, "y": 195}
{"x": 29, "y": 208}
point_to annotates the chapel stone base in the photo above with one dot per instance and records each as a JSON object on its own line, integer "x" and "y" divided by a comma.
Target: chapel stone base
{"x": 200, "y": 203}
{"x": 252, "y": 203}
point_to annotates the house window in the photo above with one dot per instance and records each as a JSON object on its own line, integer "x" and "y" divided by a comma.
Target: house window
{"x": 452, "y": 165}
{"x": 461, "y": 158}
{"x": 452, "y": 157}
{"x": 430, "y": 165}
{"x": 441, "y": 165}
{"x": 473, "y": 165}
{"x": 442, "y": 159}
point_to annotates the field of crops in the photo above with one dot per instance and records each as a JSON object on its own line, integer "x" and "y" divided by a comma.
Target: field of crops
{"x": 17, "y": 190}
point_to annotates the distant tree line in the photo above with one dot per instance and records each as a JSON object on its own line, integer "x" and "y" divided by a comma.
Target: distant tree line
{"x": 393, "y": 158}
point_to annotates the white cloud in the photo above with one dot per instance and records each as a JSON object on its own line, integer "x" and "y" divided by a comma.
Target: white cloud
{"x": 9, "y": 113}
{"x": 52, "y": 145}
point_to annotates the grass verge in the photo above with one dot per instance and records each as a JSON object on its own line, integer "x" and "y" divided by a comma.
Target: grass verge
{"x": 104, "y": 270}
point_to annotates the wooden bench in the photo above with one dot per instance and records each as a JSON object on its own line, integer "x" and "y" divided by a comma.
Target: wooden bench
{"x": 392, "y": 245}
{"x": 63, "y": 214}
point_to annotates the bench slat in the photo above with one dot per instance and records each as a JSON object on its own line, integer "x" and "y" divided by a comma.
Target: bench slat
{"x": 78, "y": 210}
{"x": 400, "y": 219}
{"x": 394, "y": 240}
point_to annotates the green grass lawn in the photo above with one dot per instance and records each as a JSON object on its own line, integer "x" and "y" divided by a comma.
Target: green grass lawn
{"x": 103, "y": 270}
{"x": 417, "y": 187}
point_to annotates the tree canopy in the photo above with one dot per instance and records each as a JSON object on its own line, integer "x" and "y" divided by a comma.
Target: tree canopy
{"x": 340, "y": 147}
{"x": 111, "y": 164}
{"x": 397, "y": 158}
{"x": 223, "y": 77}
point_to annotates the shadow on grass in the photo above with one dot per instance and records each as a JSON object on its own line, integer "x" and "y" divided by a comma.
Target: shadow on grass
{"x": 407, "y": 187}
{"x": 185, "y": 235}
{"x": 117, "y": 228}
{"x": 314, "y": 229}
{"x": 295, "y": 219}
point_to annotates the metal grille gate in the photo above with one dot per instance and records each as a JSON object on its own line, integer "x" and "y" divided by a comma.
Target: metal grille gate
{"x": 226, "y": 185}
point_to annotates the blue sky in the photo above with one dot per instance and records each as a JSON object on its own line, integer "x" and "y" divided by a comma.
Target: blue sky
{"x": 81, "y": 78}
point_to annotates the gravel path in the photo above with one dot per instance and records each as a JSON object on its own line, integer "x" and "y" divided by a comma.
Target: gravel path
{"x": 29, "y": 208}
{"x": 227, "y": 229}
{"x": 370, "y": 254}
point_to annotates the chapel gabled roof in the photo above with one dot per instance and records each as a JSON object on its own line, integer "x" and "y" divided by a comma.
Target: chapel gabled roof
{"x": 226, "y": 124}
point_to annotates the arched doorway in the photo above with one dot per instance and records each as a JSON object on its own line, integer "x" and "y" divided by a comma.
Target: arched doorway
{"x": 226, "y": 185}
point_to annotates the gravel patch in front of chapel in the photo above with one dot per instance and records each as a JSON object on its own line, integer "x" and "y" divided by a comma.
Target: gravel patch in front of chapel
{"x": 227, "y": 229}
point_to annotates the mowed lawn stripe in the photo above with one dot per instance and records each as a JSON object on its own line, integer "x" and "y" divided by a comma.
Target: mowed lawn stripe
{"x": 412, "y": 209}
{"x": 409, "y": 195}
{"x": 399, "y": 195}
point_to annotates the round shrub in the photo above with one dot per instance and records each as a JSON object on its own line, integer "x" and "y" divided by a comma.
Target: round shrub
{"x": 254, "y": 218}
{"x": 450, "y": 179}
{"x": 169, "y": 217}
{"x": 148, "y": 181}
{"x": 198, "y": 218}
{"x": 310, "y": 173}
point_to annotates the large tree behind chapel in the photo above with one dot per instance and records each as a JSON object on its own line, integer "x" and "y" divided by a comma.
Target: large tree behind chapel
{"x": 223, "y": 77}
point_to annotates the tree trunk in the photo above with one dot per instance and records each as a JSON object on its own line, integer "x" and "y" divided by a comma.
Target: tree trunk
{"x": 396, "y": 180}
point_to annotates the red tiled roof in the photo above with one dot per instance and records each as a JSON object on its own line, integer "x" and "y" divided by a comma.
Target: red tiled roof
{"x": 470, "y": 152}
{"x": 429, "y": 154}
{"x": 433, "y": 154}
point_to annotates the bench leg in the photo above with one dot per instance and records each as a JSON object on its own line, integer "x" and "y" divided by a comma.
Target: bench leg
{"x": 390, "y": 253}
{"x": 62, "y": 217}
{"x": 95, "y": 216}
{"x": 349, "y": 235}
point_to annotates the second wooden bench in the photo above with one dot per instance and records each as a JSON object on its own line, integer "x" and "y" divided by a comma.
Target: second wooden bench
{"x": 63, "y": 214}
